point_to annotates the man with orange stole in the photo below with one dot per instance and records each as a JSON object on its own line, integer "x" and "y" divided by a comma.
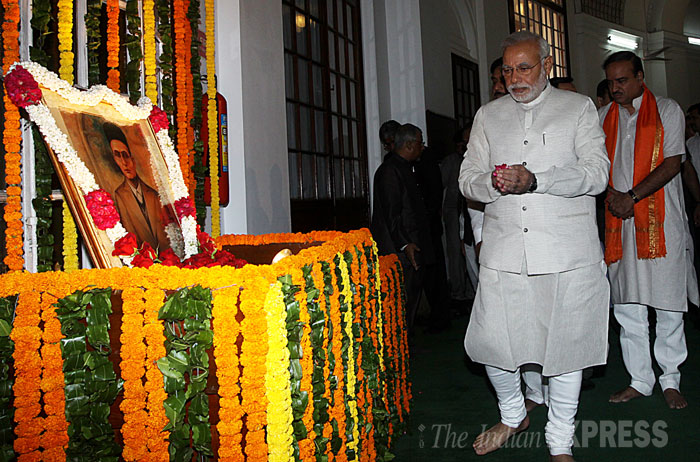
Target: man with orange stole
{"x": 647, "y": 243}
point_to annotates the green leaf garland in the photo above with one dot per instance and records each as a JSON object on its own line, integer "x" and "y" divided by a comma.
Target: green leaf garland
{"x": 94, "y": 39}
{"x": 91, "y": 384}
{"x": 185, "y": 368}
{"x": 133, "y": 46}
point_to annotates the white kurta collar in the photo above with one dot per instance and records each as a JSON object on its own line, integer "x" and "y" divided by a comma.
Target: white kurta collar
{"x": 537, "y": 101}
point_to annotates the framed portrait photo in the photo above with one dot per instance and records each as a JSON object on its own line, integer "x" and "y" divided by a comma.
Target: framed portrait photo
{"x": 119, "y": 172}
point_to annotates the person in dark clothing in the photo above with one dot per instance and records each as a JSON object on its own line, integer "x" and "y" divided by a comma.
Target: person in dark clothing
{"x": 400, "y": 219}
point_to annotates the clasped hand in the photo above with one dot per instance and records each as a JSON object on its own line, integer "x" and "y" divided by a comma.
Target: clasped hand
{"x": 620, "y": 204}
{"x": 514, "y": 179}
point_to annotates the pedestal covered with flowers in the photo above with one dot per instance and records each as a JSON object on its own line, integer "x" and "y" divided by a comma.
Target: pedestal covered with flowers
{"x": 304, "y": 359}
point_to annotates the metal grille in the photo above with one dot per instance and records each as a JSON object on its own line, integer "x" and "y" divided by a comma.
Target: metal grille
{"x": 465, "y": 89}
{"x": 325, "y": 104}
{"x": 547, "y": 19}
{"x": 608, "y": 10}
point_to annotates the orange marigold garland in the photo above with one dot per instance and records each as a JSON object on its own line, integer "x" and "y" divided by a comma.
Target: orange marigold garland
{"x": 55, "y": 438}
{"x": 113, "y": 45}
{"x": 226, "y": 351}
{"x": 156, "y": 438}
{"x": 133, "y": 356}
{"x": 12, "y": 138}
{"x": 182, "y": 106}
{"x": 26, "y": 335}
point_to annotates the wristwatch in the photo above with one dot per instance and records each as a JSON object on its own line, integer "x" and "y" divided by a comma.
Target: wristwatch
{"x": 533, "y": 185}
{"x": 634, "y": 197}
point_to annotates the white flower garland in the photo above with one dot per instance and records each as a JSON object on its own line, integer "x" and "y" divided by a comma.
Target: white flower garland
{"x": 76, "y": 168}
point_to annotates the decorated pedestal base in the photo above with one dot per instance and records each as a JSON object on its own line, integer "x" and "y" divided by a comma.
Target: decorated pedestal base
{"x": 305, "y": 359}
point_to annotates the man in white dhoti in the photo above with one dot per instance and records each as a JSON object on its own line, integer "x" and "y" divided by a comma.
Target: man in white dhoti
{"x": 542, "y": 296}
{"x": 647, "y": 242}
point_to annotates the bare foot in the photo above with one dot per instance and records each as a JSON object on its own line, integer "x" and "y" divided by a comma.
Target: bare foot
{"x": 674, "y": 399}
{"x": 496, "y": 436}
{"x": 561, "y": 458}
{"x": 530, "y": 405}
{"x": 625, "y": 395}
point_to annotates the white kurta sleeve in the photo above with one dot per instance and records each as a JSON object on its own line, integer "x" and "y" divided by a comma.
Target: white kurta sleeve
{"x": 589, "y": 175}
{"x": 673, "y": 120}
{"x": 476, "y": 217}
{"x": 475, "y": 172}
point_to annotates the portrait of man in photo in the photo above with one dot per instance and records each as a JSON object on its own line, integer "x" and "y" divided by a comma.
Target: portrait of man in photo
{"x": 137, "y": 203}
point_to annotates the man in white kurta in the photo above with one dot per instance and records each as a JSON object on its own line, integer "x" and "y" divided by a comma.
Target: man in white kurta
{"x": 663, "y": 283}
{"x": 542, "y": 296}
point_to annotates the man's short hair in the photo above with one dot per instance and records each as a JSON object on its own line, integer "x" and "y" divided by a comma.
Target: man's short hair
{"x": 496, "y": 64}
{"x": 695, "y": 107}
{"x": 405, "y": 134}
{"x": 628, "y": 56}
{"x": 526, "y": 36}
{"x": 388, "y": 131}
{"x": 603, "y": 90}
{"x": 114, "y": 132}
{"x": 556, "y": 81}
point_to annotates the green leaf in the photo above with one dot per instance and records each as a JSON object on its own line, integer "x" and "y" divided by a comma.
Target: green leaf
{"x": 173, "y": 405}
{"x": 5, "y": 328}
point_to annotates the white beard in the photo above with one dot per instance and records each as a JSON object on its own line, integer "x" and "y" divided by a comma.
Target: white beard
{"x": 533, "y": 90}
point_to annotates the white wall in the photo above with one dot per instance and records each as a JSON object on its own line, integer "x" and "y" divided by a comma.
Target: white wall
{"x": 441, "y": 35}
{"x": 250, "y": 67}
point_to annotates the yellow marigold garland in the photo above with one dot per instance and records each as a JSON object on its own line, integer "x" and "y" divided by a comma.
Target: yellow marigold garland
{"x": 65, "y": 71}
{"x": 378, "y": 288}
{"x": 253, "y": 353}
{"x": 12, "y": 139}
{"x": 212, "y": 119}
{"x": 156, "y": 438}
{"x": 337, "y": 410}
{"x": 113, "y": 45}
{"x": 149, "y": 52}
{"x": 133, "y": 357}
{"x": 350, "y": 380}
{"x": 226, "y": 351}
{"x": 65, "y": 39}
{"x": 277, "y": 376}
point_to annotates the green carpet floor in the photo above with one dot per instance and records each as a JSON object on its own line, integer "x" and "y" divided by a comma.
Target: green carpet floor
{"x": 453, "y": 402}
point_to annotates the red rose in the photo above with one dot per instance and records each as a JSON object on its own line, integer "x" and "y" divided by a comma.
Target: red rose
{"x": 125, "y": 246}
{"x": 101, "y": 208}
{"x": 206, "y": 243}
{"x": 142, "y": 261}
{"x": 22, "y": 88}
{"x": 168, "y": 258}
{"x": 198, "y": 261}
{"x": 159, "y": 119}
{"x": 147, "y": 251}
{"x": 185, "y": 207}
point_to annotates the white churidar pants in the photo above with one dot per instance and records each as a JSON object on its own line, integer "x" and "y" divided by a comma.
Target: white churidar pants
{"x": 535, "y": 390}
{"x": 669, "y": 347}
{"x": 563, "y": 403}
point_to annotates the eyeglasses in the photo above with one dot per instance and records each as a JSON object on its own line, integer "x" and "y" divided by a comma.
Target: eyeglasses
{"x": 522, "y": 70}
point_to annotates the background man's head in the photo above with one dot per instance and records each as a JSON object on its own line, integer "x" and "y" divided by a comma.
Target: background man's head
{"x": 602, "y": 92}
{"x": 694, "y": 117}
{"x": 461, "y": 138}
{"x": 408, "y": 142}
{"x": 625, "y": 76}
{"x": 526, "y": 65}
{"x": 387, "y": 133}
{"x": 563, "y": 83}
{"x": 498, "y": 85}
{"x": 120, "y": 150}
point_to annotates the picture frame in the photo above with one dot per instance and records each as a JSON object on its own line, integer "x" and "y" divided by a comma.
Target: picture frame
{"x": 119, "y": 172}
